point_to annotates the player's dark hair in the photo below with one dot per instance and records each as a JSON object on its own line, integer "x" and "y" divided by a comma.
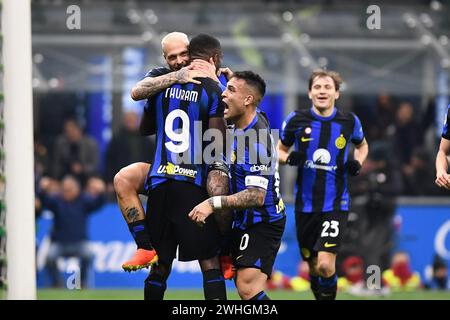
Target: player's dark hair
{"x": 337, "y": 79}
{"x": 252, "y": 79}
{"x": 204, "y": 47}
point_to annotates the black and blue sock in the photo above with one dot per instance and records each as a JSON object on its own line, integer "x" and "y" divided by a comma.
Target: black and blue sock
{"x": 214, "y": 285}
{"x": 139, "y": 232}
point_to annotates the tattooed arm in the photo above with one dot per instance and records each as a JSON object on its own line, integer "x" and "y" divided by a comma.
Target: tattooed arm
{"x": 149, "y": 86}
{"x": 249, "y": 198}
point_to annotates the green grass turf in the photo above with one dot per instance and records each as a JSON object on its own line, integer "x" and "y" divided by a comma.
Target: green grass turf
{"x": 62, "y": 294}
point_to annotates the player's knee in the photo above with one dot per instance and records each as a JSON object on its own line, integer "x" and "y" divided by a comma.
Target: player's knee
{"x": 122, "y": 184}
{"x": 245, "y": 288}
{"x": 326, "y": 268}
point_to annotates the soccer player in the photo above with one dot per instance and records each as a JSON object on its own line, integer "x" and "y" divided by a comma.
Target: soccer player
{"x": 129, "y": 181}
{"x": 177, "y": 181}
{"x": 258, "y": 210}
{"x": 442, "y": 176}
{"x": 321, "y": 136}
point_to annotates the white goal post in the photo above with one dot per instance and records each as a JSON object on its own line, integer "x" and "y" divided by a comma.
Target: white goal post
{"x": 19, "y": 163}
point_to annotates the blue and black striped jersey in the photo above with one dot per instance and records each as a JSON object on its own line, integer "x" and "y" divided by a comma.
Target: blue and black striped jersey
{"x": 182, "y": 114}
{"x": 253, "y": 163}
{"x": 322, "y": 183}
{"x": 445, "y": 130}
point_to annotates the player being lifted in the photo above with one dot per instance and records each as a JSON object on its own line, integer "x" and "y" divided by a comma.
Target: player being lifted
{"x": 321, "y": 136}
{"x": 258, "y": 211}
{"x": 178, "y": 176}
{"x": 129, "y": 181}
{"x": 442, "y": 176}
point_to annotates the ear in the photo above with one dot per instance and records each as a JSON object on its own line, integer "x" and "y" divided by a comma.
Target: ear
{"x": 309, "y": 95}
{"x": 336, "y": 95}
{"x": 249, "y": 100}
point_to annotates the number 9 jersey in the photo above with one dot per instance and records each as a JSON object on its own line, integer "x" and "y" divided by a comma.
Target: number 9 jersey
{"x": 182, "y": 114}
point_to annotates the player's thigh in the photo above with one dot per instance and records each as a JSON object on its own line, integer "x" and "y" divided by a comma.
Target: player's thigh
{"x": 308, "y": 231}
{"x": 257, "y": 246}
{"x": 195, "y": 242}
{"x": 332, "y": 228}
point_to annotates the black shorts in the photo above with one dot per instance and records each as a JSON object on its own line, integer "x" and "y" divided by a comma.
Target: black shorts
{"x": 169, "y": 226}
{"x": 257, "y": 246}
{"x": 320, "y": 231}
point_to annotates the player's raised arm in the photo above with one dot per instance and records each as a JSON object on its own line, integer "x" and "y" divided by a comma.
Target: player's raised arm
{"x": 442, "y": 177}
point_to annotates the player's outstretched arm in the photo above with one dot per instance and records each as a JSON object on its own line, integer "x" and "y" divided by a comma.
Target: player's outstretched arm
{"x": 251, "y": 197}
{"x": 149, "y": 86}
{"x": 442, "y": 177}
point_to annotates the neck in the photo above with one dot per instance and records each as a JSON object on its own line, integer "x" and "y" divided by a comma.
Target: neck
{"x": 245, "y": 120}
{"x": 323, "y": 112}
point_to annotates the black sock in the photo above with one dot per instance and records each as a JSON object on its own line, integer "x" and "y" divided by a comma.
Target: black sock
{"x": 214, "y": 285}
{"x": 141, "y": 236}
{"x": 328, "y": 287}
{"x": 314, "y": 280}
{"x": 154, "y": 288}
{"x": 261, "y": 296}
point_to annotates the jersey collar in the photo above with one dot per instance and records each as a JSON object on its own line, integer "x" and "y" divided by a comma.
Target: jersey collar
{"x": 319, "y": 117}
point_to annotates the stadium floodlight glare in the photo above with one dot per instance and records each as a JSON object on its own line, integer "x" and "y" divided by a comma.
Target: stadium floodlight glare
{"x": 435, "y": 5}
{"x": 38, "y": 58}
{"x": 444, "y": 40}
{"x": 410, "y": 21}
{"x": 426, "y": 20}
{"x": 288, "y": 16}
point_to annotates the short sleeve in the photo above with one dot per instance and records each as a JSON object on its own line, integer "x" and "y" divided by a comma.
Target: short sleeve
{"x": 358, "y": 134}
{"x": 287, "y": 133}
{"x": 445, "y": 130}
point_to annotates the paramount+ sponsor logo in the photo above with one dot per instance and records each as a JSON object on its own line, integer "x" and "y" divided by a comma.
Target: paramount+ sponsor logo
{"x": 176, "y": 170}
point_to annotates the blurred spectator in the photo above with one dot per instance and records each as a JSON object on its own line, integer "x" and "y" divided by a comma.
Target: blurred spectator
{"x": 127, "y": 146}
{"x": 353, "y": 274}
{"x": 75, "y": 154}
{"x": 408, "y": 133}
{"x": 41, "y": 159}
{"x": 439, "y": 280}
{"x": 418, "y": 175}
{"x": 374, "y": 203}
{"x": 400, "y": 277}
{"x": 71, "y": 210}
{"x": 383, "y": 123}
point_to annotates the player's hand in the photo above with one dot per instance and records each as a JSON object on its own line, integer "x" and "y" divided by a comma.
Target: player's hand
{"x": 226, "y": 72}
{"x": 443, "y": 180}
{"x": 201, "y": 212}
{"x": 353, "y": 167}
{"x": 208, "y": 68}
{"x": 295, "y": 158}
{"x": 44, "y": 184}
{"x": 187, "y": 74}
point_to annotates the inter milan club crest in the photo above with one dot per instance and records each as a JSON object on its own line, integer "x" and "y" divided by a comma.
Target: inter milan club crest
{"x": 340, "y": 142}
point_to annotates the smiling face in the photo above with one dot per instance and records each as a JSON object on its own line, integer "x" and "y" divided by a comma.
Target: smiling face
{"x": 236, "y": 99}
{"x": 175, "y": 51}
{"x": 323, "y": 93}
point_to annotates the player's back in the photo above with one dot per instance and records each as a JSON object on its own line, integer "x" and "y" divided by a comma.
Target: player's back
{"x": 182, "y": 114}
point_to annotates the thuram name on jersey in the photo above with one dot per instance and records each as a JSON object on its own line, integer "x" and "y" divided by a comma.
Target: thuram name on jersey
{"x": 181, "y": 94}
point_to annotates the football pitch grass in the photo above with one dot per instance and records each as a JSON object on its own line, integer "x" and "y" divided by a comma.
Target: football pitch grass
{"x": 114, "y": 294}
